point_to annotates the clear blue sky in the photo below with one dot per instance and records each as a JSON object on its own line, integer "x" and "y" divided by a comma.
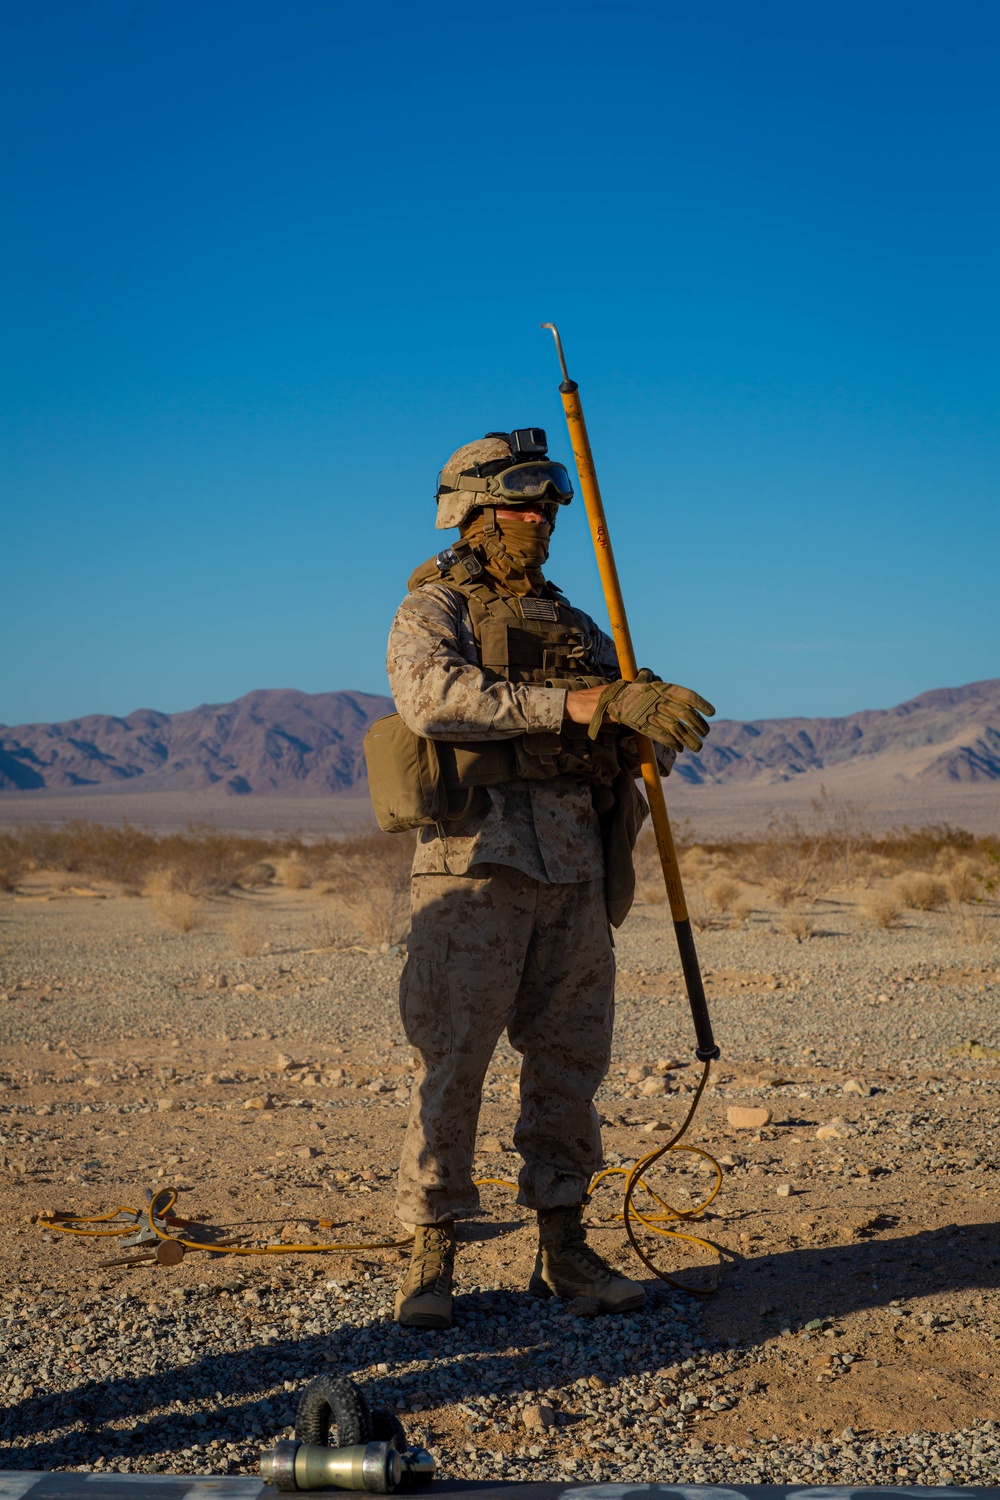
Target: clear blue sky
{"x": 266, "y": 264}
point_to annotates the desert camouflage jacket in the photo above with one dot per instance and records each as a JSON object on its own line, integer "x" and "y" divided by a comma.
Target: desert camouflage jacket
{"x": 546, "y": 829}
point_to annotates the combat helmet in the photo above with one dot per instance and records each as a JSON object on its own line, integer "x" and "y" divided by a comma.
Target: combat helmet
{"x": 504, "y": 469}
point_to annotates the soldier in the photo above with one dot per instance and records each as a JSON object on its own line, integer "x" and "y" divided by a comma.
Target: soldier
{"x": 516, "y": 883}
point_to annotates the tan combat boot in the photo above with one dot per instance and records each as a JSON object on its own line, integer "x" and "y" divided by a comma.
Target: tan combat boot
{"x": 424, "y": 1299}
{"x": 566, "y": 1266}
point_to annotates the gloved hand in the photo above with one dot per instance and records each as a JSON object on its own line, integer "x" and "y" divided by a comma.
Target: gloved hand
{"x": 669, "y": 714}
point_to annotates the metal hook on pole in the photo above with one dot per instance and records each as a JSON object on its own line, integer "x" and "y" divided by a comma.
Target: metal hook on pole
{"x": 706, "y": 1049}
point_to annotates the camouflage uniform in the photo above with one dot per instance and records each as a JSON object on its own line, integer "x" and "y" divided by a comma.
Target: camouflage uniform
{"x": 509, "y": 930}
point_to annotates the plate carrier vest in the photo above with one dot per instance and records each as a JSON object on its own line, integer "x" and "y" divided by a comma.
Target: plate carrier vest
{"x": 417, "y": 782}
{"x": 533, "y": 638}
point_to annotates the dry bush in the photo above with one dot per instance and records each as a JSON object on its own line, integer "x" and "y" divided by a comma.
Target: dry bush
{"x": 177, "y": 909}
{"x": 797, "y": 926}
{"x": 880, "y": 909}
{"x": 918, "y": 891}
{"x": 926, "y": 848}
{"x": 333, "y": 932}
{"x": 255, "y": 875}
{"x": 831, "y": 847}
{"x": 742, "y": 910}
{"x": 783, "y": 892}
{"x": 123, "y": 854}
{"x": 964, "y": 881}
{"x": 700, "y": 909}
{"x": 11, "y": 870}
{"x": 721, "y": 892}
{"x": 159, "y": 883}
{"x": 208, "y": 861}
{"x": 248, "y": 933}
{"x": 978, "y": 924}
{"x": 975, "y": 891}
{"x": 295, "y": 873}
{"x": 785, "y": 862}
{"x": 205, "y": 860}
{"x": 369, "y": 879}
{"x": 695, "y": 863}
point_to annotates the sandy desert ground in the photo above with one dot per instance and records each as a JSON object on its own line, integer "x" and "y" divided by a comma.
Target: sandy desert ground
{"x": 257, "y": 1069}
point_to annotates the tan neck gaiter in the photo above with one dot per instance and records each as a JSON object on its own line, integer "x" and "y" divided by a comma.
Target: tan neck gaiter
{"x": 514, "y": 552}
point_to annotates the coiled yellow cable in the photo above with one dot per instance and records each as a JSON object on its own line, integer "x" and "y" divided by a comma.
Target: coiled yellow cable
{"x": 655, "y": 1222}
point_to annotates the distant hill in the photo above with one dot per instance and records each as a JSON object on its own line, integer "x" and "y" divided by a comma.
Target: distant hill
{"x": 276, "y": 741}
{"x": 946, "y": 735}
{"x": 279, "y": 742}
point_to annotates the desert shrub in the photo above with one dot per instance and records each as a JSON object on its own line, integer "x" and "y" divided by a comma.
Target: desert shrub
{"x": 803, "y": 857}
{"x": 11, "y": 870}
{"x": 695, "y": 863}
{"x": 786, "y": 862}
{"x": 158, "y": 883}
{"x": 783, "y": 892}
{"x": 332, "y": 932}
{"x": 919, "y": 891}
{"x": 880, "y": 909}
{"x": 255, "y": 875}
{"x": 964, "y": 881}
{"x": 208, "y": 861}
{"x": 721, "y": 892}
{"x": 797, "y": 926}
{"x": 742, "y": 909}
{"x": 177, "y": 909}
{"x": 923, "y": 848}
{"x": 122, "y": 854}
{"x": 700, "y": 909}
{"x": 248, "y": 933}
{"x": 976, "y": 923}
{"x": 295, "y": 873}
{"x": 204, "y": 860}
{"x": 369, "y": 881}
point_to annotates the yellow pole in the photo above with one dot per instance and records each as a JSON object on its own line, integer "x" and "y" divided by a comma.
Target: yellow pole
{"x": 594, "y": 505}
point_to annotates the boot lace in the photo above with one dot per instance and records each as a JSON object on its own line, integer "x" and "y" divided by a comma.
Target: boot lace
{"x": 432, "y": 1263}
{"x": 572, "y": 1244}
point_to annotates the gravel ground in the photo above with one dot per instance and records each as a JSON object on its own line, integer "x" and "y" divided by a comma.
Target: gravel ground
{"x": 852, "y": 1339}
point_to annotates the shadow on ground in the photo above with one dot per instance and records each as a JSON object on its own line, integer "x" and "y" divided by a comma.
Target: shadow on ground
{"x": 494, "y": 1354}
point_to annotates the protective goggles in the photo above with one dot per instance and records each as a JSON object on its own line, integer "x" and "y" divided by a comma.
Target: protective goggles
{"x": 518, "y": 485}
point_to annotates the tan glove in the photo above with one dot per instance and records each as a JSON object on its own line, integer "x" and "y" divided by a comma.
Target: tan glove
{"x": 664, "y": 712}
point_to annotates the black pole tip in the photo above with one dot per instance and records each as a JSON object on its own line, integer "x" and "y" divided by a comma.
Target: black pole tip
{"x": 707, "y": 1054}
{"x": 568, "y": 387}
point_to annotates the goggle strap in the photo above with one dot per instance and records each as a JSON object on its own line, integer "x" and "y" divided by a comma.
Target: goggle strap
{"x": 458, "y": 481}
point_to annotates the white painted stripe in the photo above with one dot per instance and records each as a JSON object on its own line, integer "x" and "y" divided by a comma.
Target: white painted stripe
{"x": 13, "y": 1486}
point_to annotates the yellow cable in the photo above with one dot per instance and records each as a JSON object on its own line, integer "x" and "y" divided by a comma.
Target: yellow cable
{"x": 67, "y": 1224}
{"x": 634, "y": 1178}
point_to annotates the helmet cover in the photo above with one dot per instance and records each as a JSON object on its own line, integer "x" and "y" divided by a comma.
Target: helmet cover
{"x": 455, "y": 505}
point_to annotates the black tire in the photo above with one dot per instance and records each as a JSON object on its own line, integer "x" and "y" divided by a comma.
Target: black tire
{"x": 333, "y": 1401}
{"x": 387, "y": 1428}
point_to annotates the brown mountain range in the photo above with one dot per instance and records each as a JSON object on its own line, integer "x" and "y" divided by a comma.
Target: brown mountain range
{"x": 276, "y": 741}
{"x": 279, "y": 742}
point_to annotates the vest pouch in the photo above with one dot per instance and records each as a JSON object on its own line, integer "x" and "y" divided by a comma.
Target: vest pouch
{"x": 404, "y": 777}
{"x": 415, "y": 782}
{"x": 537, "y": 756}
{"x": 474, "y": 764}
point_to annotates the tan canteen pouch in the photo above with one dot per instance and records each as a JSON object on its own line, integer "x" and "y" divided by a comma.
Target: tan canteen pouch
{"x": 415, "y": 782}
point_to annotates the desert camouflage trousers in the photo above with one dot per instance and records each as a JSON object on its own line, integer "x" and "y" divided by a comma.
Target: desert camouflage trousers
{"x": 490, "y": 950}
